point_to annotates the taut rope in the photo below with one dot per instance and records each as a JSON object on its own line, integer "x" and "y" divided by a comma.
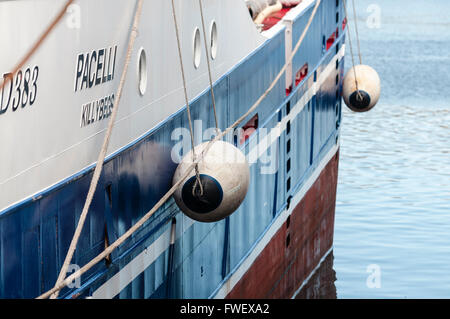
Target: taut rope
{"x": 356, "y": 30}
{"x": 359, "y": 95}
{"x": 39, "y": 42}
{"x": 102, "y": 155}
{"x": 197, "y": 174}
{"x": 209, "y": 66}
{"x": 172, "y": 190}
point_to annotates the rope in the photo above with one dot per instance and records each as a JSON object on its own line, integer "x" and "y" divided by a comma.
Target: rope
{"x": 38, "y": 43}
{"x": 277, "y": 78}
{"x": 172, "y": 190}
{"x": 197, "y": 174}
{"x": 121, "y": 239}
{"x": 357, "y": 34}
{"x": 359, "y": 95}
{"x": 209, "y": 66}
{"x": 102, "y": 155}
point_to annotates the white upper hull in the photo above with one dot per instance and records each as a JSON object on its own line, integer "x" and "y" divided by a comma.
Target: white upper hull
{"x": 49, "y": 140}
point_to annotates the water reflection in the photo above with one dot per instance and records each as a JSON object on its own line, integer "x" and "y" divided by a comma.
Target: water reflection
{"x": 393, "y": 198}
{"x": 322, "y": 283}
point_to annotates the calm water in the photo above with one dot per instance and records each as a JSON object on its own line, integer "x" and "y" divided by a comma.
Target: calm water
{"x": 393, "y": 201}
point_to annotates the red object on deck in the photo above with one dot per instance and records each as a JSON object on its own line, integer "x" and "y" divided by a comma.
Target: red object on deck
{"x": 248, "y": 129}
{"x": 297, "y": 247}
{"x": 330, "y": 40}
{"x": 271, "y": 21}
{"x": 301, "y": 74}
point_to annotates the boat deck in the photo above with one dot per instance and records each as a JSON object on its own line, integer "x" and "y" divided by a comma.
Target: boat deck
{"x": 273, "y": 20}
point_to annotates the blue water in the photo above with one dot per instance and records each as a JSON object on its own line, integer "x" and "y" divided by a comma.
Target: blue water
{"x": 393, "y": 199}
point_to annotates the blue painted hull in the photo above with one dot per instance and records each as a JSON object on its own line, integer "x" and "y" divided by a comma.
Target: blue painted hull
{"x": 35, "y": 234}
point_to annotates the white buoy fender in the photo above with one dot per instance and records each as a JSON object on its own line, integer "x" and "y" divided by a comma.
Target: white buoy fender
{"x": 225, "y": 176}
{"x": 368, "y": 86}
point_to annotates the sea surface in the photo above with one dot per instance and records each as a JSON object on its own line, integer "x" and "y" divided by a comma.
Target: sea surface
{"x": 392, "y": 225}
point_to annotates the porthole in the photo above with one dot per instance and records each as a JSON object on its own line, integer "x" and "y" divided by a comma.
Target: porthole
{"x": 213, "y": 40}
{"x": 142, "y": 71}
{"x": 197, "y": 48}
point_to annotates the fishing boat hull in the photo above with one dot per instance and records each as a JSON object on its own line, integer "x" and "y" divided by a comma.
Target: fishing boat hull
{"x": 303, "y": 239}
{"x": 267, "y": 248}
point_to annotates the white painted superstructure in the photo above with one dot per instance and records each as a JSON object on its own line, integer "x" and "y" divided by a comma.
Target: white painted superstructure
{"x": 45, "y": 143}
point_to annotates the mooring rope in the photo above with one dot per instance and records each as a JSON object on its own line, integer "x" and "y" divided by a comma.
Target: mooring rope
{"x": 209, "y": 66}
{"x": 38, "y": 43}
{"x": 102, "y": 155}
{"x": 355, "y": 18}
{"x": 183, "y": 77}
{"x": 188, "y": 171}
{"x": 358, "y": 94}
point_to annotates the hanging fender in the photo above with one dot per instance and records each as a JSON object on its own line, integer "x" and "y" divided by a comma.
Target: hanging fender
{"x": 361, "y": 92}
{"x": 224, "y": 175}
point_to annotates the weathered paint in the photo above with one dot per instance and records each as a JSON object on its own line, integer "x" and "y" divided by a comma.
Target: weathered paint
{"x": 298, "y": 246}
{"x": 36, "y": 233}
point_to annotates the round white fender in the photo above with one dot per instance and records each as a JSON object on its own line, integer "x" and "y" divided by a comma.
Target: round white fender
{"x": 368, "y": 87}
{"x": 225, "y": 177}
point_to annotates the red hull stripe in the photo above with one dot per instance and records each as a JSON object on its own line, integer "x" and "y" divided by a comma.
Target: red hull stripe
{"x": 289, "y": 252}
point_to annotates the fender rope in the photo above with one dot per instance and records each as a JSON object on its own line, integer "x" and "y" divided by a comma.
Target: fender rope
{"x": 172, "y": 190}
{"x": 102, "y": 154}
{"x": 39, "y": 42}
